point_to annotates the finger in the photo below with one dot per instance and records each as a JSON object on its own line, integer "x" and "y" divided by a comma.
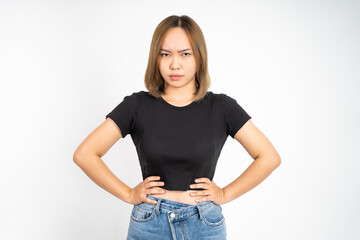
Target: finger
{"x": 154, "y": 184}
{"x": 152, "y": 178}
{"x": 202, "y": 180}
{"x": 200, "y": 185}
{"x": 156, "y": 191}
{"x": 150, "y": 201}
{"x": 153, "y": 190}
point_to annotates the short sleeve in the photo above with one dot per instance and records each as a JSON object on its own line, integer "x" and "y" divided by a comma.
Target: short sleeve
{"x": 234, "y": 115}
{"x": 124, "y": 114}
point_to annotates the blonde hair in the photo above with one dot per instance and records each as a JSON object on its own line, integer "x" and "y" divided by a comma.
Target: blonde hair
{"x": 153, "y": 79}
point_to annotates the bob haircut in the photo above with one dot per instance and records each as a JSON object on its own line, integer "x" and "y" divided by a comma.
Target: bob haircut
{"x": 154, "y": 82}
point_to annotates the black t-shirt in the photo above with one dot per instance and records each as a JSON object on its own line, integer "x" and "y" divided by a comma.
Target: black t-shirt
{"x": 179, "y": 144}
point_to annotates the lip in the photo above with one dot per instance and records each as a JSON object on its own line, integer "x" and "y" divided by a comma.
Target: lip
{"x": 176, "y": 77}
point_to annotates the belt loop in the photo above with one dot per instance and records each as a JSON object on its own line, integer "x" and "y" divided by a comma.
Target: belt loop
{"x": 200, "y": 213}
{"x": 158, "y": 206}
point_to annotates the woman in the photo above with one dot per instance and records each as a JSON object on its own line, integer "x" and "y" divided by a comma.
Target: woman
{"x": 179, "y": 129}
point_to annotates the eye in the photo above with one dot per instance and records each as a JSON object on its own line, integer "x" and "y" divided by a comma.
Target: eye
{"x": 187, "y": 53}
{"x": 162, "y": 54}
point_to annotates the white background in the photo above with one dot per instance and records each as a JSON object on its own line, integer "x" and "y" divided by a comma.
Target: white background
{"x": 292, "y": 65}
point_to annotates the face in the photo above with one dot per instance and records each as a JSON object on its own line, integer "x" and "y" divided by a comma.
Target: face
{"x": 177, "y": 63}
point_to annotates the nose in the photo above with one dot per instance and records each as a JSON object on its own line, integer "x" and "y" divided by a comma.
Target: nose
{"x": 175, "y": 63}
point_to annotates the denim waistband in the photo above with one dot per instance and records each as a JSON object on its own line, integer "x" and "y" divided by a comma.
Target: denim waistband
{"x": 181, "y": 210}
{"x": 172, "y": 205}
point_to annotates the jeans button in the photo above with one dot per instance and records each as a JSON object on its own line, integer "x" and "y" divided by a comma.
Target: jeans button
{"x": 172, "y": 215}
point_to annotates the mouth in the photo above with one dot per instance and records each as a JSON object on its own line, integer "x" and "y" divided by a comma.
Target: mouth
{"x": 176, "y": 77}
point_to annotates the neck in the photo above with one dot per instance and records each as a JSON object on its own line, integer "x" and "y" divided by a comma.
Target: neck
{"x": 182, "y": 94}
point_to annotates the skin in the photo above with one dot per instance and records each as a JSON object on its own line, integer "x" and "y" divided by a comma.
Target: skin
{"x": 171, "y": 61}
{"x": 179, "y": 93}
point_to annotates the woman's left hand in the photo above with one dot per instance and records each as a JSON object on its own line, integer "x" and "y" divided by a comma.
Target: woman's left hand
{"x": 211, "y": 191}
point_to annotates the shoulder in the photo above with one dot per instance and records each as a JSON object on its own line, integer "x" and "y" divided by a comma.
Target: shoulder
{"x": 138, "y": 95}
{"x": 144, "y": 97}
{"x": 143, "y": 94}
{"x": 228, "y": 102}
{"x": 219, "y": 98}
{"x": 222, "y": 97}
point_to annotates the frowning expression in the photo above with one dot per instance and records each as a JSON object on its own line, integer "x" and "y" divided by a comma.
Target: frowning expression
{"x": 176, "y": 60}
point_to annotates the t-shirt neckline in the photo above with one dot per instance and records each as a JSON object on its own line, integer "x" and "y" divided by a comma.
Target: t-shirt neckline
{"x": 176, "y": 107}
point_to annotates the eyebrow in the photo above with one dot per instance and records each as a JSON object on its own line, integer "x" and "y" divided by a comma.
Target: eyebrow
{"x": 161, "y": 49}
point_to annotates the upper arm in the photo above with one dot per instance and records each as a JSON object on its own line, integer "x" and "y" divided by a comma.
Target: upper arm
{"x": 118, "y": 124}
{"x": 255, "y": 142}
{"x": 100, "y": 140}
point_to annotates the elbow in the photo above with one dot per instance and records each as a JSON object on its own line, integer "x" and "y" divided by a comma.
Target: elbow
{"x": 82, "y": 157}
{"x": 277, "y": 160}
{"x": 272, "y": 160}
{"x": 78, "y": 157}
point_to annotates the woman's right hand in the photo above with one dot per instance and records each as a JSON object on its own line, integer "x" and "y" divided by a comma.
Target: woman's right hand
{"x": 138, "y": 194}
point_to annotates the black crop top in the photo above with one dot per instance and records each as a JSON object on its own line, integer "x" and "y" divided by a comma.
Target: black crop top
{"x": 179, "y": 144}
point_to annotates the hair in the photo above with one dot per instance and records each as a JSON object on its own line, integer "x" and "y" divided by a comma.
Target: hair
{"x": 154, "y": 82}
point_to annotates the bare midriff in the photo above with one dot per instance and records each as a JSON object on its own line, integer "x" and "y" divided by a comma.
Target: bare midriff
{"x": 179, "y": 196}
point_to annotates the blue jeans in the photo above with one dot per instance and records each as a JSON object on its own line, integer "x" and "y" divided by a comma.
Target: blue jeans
{"x": 172, "y": 220}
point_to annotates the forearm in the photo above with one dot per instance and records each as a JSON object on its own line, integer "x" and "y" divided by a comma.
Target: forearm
{"x": 257, "y": 171}
{"x": 98, "y": 172}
